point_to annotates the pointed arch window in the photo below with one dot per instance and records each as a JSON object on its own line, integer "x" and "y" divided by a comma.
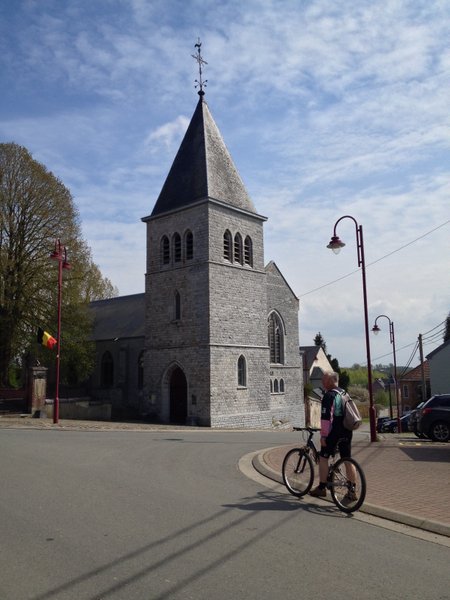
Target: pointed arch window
{"x": 227, "y": 245}
{"x": 165, "y": 250}
{"x": 238, "y": 248}
{"x": 107, "y": 370}
{"x": 275, "y": 386}
{"x": 248, "y": 251}
{"x": 276, "y": 339}
{"x": 282, "y": 386}
{"x": 242, "y": 372}
{"x": 176, "y": 241}
{"x": 189, "y": 245}
{"x": 177, "y": 306}
{"x": 140, "y": 370}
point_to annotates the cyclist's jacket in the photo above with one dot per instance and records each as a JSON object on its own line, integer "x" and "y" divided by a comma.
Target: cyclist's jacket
{"x": 331, "y": 408}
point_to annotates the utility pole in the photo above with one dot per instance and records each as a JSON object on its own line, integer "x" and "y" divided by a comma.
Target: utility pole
{"x": 422, "y": 368}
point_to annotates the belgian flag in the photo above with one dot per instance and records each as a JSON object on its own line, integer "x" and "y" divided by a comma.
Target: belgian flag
{"x": 46, "y": 339}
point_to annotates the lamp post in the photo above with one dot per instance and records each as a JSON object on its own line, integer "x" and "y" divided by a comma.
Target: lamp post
{"x": 336, "y": 244}
{"x": 376, "y": 330}
{"x": 59, "y": 254}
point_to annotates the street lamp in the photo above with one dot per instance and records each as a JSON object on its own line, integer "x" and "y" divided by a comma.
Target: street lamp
{"x": 376, "y": 330}
{"x": 59, "y": 254}
{"x": 336, "y": 244}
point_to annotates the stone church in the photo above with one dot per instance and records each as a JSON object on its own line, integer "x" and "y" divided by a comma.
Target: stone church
{"x": 214, "y": 340}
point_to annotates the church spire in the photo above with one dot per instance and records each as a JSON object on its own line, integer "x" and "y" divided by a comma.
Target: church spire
{"x": 199, "y": 83}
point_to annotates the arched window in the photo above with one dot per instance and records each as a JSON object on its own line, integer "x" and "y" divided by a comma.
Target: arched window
{"x": 248, "y": 251}
{"x": 176, "y": 241}
{"x": 227, "y": 244}
{"x": 275, "y": 386}
{"x": 177, "y": 306}
{"x": 242, "y": 372}
{"x": 140, "y": 370}
{"x": 238, "y": 248}
{"x": 189, "y": 245}
{"x": 271, "y": 386}
{"x": 282, "y": 385}
{"x": 276, "y": 339}
{"x": 165, "y": 250}
{"x": 107, "y": 370}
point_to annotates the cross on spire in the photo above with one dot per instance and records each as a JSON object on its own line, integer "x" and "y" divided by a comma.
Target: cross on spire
{"x": 199, "y": 83}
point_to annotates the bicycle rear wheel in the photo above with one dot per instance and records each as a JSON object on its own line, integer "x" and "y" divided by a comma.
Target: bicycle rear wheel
{"x": 298, "y": 472}
{"x": 348, "y": 485}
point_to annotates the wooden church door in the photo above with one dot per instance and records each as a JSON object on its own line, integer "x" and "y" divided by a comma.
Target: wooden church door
{"x": 178, "y": 397}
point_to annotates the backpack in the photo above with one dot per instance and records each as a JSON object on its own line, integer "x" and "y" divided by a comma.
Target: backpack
{"x": 351, "y": 417}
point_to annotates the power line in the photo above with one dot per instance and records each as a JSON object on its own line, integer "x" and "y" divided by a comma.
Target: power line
{"x": 443, "y": 323}
{"x": 425, "y": 341}
{"x": 413, "y": 353}
{"x": 375, "y": 261}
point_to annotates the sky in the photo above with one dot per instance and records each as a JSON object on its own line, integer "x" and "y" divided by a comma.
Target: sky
{"x": 329, "y": 110}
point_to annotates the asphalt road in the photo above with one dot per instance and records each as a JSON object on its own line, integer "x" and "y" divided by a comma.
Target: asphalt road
{"x": 169, "y": 515}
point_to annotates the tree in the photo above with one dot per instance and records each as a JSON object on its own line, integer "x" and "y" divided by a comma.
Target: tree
{"x": 447, "y": 328}
{"x": 36, "y": 208}
{"x": 320, "y": 342}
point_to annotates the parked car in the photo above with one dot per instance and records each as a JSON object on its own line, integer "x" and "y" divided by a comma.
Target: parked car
{"x": 391, "y": 425}
{"x": 380, "y": 422}
{"x": 413, "y": 419}
{"x": 434, "y": 418}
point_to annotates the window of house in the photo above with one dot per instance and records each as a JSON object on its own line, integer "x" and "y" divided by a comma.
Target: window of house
{"x": 165, "y": 250}
{"x": 189, "y": 245}
{"x": 238, "y": 248}
{"x": 176, "y": 247}
{"x": 248, "y": 251}
{"x": 275, "y": 386}
{"x": 282, "y": 385}
{"x": 276, "y": 339}
{"x": 177, "y": 306}
{"x": 227, "y": 243}
{"x": 242, "y": 372}
{"x": 107, "y": 370}
{"x": 405, "y": 391}
{"x": 271, "y": 386}
{"x": 140, "y": 371}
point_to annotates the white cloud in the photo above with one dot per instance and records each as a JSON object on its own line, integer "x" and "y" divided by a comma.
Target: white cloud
{"x": 327, "y": 109}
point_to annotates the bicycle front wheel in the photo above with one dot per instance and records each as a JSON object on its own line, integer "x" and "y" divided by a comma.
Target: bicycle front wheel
{"x": 347, "y": 484}
{"x": 298, "y": 472}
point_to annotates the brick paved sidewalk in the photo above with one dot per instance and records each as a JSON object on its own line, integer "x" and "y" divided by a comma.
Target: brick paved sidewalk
{"x": 408, "y": 480}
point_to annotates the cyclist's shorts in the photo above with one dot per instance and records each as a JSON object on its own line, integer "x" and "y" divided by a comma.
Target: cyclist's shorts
{"x": 339, "y": 438}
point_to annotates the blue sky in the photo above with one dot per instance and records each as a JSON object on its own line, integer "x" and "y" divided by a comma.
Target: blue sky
{"x": 328, "y": 109}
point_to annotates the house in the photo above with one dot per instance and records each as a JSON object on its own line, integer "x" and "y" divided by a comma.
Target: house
{"x": 315, "y": 364}
{"x": 214, "y": 339}
{"x": 439, "y": 361}
{"x": 411, "y": 387}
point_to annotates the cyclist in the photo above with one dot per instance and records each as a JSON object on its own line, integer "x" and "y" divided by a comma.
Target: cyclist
{"x": 333, "y": 435}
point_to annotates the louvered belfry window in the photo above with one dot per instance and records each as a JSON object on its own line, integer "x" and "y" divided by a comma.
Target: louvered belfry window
{"x": 165, "y": 250}
{"x": 238, "y": 248}
{"x": 177, "y": 247}
{"x": 227, "y": 240}
{"x": 248, "y": 251}
{"x": 189, "y": 245}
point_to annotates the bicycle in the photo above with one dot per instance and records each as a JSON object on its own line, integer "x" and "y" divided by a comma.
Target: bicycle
{"x": 346, "y": 480}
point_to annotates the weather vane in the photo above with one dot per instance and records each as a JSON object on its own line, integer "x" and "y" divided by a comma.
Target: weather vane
{"x": 199, "y": 83}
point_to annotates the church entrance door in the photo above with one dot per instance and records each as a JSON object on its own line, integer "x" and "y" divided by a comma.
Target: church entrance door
{"x": 178, "y": 397}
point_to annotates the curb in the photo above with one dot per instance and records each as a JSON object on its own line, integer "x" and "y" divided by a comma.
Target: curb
{"x": 262, "y": 467}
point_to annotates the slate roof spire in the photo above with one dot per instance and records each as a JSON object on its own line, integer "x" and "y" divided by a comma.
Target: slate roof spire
{"x": 203, "y": 167}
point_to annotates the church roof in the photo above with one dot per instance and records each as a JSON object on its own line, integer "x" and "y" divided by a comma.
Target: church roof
{"x": 203, "y": 168}
{"x": 121, "y": 317}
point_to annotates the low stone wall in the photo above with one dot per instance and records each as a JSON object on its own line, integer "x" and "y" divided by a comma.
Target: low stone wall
{"x": 82, "y": 409}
